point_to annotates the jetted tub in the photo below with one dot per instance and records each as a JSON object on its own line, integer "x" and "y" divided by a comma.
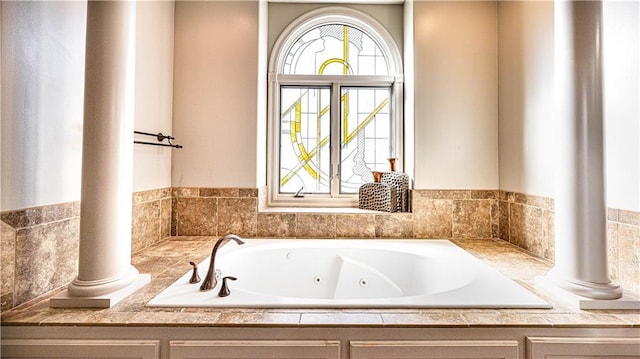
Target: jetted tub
{"x": 306, "y": 273}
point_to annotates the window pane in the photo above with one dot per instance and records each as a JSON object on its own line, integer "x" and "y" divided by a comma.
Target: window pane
{"x": 365, "y": 135}
{"x": 304, "y": 139}
{"x": 335, "y": 49}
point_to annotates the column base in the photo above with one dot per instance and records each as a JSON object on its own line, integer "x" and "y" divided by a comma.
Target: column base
{"x": 568, "y": 292}
{"x": 585, "y": 289}
{"x": 99, "y": 294}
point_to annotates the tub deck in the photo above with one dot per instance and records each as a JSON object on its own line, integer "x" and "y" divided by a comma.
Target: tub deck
{"x": 169, "y": 260}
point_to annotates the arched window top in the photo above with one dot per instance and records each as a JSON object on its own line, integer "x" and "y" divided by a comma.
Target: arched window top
{"x": 335, "y": 49}
{"x": 335, "y": 41}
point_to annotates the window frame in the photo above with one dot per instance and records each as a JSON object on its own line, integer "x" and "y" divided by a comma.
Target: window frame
{"x": 276, "y": 80}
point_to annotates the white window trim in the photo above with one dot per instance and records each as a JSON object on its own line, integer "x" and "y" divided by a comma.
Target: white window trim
{"x": 291, "y": 33}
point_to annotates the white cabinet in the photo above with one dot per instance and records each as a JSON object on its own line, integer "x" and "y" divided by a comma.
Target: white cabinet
{"x": 498, "y": 349}
{"x": 582, "y": 348}
{"x": 77, "y": 348}
{"x": 253, "y": 349}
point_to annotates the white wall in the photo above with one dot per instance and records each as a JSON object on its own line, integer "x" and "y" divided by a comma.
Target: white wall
{"x": 526, "y": 92}
{"x": 43, "y": 45}
{"x": 154, "y": 93}
{"x": 456, "y": 95}
{"x": 526, "y": 88}
{"x": 42, "y": 102}
{"x": 621, "y": 39}
{"x": 215, "y": 89}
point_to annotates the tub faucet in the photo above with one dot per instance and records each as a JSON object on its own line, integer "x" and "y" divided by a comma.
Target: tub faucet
{"x": 210, "y": 280}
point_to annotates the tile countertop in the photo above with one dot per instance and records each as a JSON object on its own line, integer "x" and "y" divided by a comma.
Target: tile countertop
{"x": 169, "y": 260}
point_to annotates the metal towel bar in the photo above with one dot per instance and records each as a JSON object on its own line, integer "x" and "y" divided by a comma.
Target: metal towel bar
{"x": 160, "y": 137}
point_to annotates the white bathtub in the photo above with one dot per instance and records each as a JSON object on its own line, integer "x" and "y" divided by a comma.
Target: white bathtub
{"x": 350, "y": 274}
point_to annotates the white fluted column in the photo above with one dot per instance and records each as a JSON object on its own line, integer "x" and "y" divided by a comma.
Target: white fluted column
{"x": 580, "y": 210}
{"x": 105, "y": 272}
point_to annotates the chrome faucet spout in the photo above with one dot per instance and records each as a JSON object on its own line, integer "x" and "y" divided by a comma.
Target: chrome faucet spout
{"x": 210, "y": 281}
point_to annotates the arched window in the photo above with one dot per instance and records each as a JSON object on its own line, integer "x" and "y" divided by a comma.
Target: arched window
{"x": 335, "y": 98}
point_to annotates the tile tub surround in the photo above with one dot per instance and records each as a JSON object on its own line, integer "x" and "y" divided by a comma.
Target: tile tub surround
{"x": 40, "y": 244}
{"x": 168, "y": 260}
{"x": 523, "y": 220}
{"x": 435, "y": 214}
{"x": 528, "y": 222}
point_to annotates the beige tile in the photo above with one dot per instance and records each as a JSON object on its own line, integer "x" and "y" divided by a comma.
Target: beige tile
{"x": 355, "y": 225}
{"x": 174, "y": 216}
{"x": 6, "y": 300}
{"x": 338, "y": 317}
{"x": 57, "y": 212}
{"x": 444, "y": 194}
{"x": 46, "y": 258}
{"x": 581, "y": 319}
{"x": 436, "y": 318}
{"x": 316, "y": 225}
{"x": 259, "y": 318}
{"x": 509, "y": 196}
{"x": 548, "y": 235}
{"x": 7, "y": 264}
{"x": 150, "y": 195}
{"x": 629, "y": 217}
{"x": 433, "y": 218}
{"x": 495, "y": 219}
{"x": 484, "y": 194}
{"x": 145, "y": 229}
{"x": 109, "y": 317}
{"x": 219, "y": 192}
{"x": 238, "y": 216}
{"x": 504, "y": 318}
{"x": 185, "y": 192}
{"x": 197, "y": 216}
{"x": 504, "y": 223}
{"x": 526, "y": 229}
{"x": 165, "y": 217}
{"x": 248, "y": 192}
{"x": 173, "y": 318}
{"x": 629, "y": 257}
{"x": 612, "y": 249}
{"x": 394, "y": 225}
{"x": 533, "y": 201}
{"x": 471, "y": 219}
{"x": 277, "y": 225}
{"x": 629, "y": 317}
{"x": 26, "y": 317}
{"x": 22, "y": 218}
{"x": 76, "y": 209}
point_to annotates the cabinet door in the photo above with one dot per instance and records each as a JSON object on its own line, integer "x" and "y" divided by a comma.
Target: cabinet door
{"x": 440, "y": 349}
{"x": 60, "y": 348}
{"x": 254, "y": 349}
{"x": 582, "y": 348}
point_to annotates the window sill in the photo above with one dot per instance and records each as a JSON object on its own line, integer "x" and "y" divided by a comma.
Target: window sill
{"x": 318, "y": 210}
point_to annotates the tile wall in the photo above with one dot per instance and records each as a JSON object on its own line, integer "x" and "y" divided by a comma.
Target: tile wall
{"x": 436, "y": 214}
{"x": 623, "y": 241}
{"x": 40, "y": 245}
{"x": 39, "y": 251}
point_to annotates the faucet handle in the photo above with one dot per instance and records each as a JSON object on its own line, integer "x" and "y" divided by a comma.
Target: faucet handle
{"x": 195, "y": 278}
{"x": 224, "y": 290}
